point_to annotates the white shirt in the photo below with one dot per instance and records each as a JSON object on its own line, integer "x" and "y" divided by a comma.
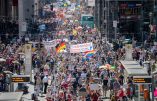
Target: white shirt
{"x": 83, "y": 75}
{"x": 45, "y": 79}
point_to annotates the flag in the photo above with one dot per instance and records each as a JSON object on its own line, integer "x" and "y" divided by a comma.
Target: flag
{"x": 74, "y": 32}
{"x": 90, "y": 53}
{"x": 60, "y": 47}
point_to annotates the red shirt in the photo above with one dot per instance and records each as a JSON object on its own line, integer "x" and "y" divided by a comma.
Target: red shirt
{"x": 95, "y": 97}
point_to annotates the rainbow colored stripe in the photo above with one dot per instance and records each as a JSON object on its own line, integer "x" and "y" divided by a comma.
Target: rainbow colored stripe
{"x": 89, "y": 53}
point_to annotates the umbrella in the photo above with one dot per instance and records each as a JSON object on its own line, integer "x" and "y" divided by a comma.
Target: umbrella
{"x": 79, "y": 29}
{"x": 108, "y": 66}
{"x": 2, "y": 60}
{"x": 46, "y": 66}
{"x": 8, "y": 72}
{"x": 76, "y": 20}
{"x": 113, "y": 67}
{"x": 102, "y": 67}
{"x": 21, "y": 53}
{"x": 15, "y": 62}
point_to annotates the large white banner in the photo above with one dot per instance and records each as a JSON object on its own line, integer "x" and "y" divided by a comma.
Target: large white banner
{"x": 28, "y": 59}
{"x": 91, "y": 3}
{"x": 81, "y": 47}
{"x": 49, "y": 44}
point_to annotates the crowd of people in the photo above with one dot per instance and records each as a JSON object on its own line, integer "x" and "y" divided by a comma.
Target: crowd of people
{"x": 66, "y": 76}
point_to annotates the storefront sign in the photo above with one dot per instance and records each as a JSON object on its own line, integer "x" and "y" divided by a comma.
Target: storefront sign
{"x": 142, "y": 80}
{"x": 20, "y": 79}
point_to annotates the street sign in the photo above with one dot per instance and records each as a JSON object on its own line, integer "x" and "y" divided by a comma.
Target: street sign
{"x": 142, "y": 79}
{"x": 20, "y": 79}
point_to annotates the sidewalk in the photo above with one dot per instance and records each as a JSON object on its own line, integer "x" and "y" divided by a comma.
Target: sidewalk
{"x": 107, "y": 98}
{"x": 27, "y": 97}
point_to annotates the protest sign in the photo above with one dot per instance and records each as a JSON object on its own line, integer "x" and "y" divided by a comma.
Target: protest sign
{"x": 82, "y": 92}
{"x": 94, "y": 86}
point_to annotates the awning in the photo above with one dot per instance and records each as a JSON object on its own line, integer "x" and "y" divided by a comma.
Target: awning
{"x": 11, "y": 96}
{"x": 133, "y": 68}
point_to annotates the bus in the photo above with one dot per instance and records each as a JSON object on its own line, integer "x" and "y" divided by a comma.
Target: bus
{"x": 87, "y": 19}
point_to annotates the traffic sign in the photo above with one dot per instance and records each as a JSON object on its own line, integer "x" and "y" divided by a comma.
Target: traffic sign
{"x": 142, "y": 79}
{"x": 20, "y": 79}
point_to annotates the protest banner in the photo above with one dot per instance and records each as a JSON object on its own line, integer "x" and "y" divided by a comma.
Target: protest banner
{"x": 81, "y": 47}
{"x": 49, "y": 44}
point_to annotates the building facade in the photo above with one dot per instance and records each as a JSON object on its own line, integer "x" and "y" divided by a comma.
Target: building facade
{"x": 5, "y": 9}
{"x": 14, "y": 16}
{"x": 129, "y": 18}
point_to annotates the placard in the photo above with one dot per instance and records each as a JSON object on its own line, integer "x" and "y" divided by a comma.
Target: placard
{"x": 94, "y": 86}
{"x": 82, "y": 92}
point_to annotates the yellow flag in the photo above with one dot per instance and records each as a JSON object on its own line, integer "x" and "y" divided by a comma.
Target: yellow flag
{"x": 33, "y": 49}
{"x": 74, "y": 32}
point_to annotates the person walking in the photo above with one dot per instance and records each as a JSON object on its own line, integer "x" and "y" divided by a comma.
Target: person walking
{"x": 38, "y": 85}
{"x": 105, "y": 86}
{"x": 45, "y": 82}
